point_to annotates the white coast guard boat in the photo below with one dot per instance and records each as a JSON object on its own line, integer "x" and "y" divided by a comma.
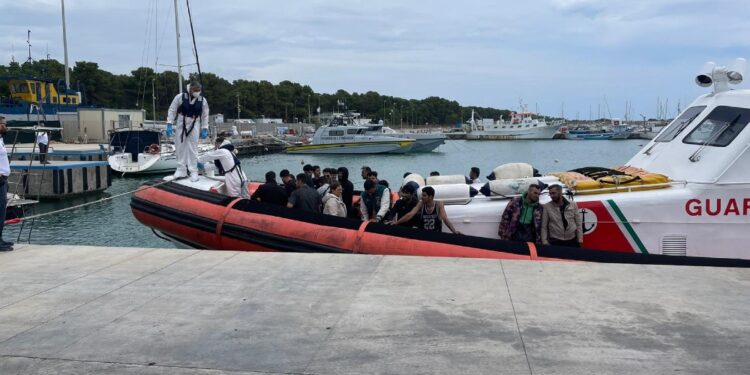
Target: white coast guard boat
{"x": 346, "y": 135}
{"x": 423, "y": 142}
{"x": 704, "y": 208}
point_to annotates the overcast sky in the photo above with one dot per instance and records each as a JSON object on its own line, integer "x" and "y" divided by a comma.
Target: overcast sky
{"x": 486, "y": 53}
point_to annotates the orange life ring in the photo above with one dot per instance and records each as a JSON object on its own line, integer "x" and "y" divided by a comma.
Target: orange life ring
{"x": 154, "y": 149}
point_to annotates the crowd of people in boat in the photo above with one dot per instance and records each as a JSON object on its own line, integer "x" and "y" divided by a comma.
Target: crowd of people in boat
{"x": 329, "y": 191}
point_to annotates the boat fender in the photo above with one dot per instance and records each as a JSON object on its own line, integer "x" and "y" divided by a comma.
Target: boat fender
{"x": 452, "y": 194}
{"x": 415, "y": 178}
{"x": 512, "y": 171}
{"x": 509, "y": 187}
{"x": 446, "y": 180}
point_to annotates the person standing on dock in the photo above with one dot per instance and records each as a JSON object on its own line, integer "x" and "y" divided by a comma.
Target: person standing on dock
{"x": 522, "y": 218}
{"x": 561, "y": 221}
{"x": 4, "y": 173}
{"x": 190, "y": 111}
{"x": 42, "y": 140}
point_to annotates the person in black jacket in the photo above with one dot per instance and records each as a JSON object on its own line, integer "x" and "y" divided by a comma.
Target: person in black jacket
{"x": 287, "y": 179}
{"x": 348, "y": 193}
{"x": 270, "y": 192}
{"x": 403, "y": 206}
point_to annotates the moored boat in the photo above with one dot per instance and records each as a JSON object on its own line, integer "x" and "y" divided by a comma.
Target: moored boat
{"x": 351, "y": 139}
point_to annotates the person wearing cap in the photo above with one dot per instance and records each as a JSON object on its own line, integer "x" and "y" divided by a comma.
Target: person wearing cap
{"x": 374, "y": 202}
{"x": 4, "y": 173}
{"x": 226, "y": 163}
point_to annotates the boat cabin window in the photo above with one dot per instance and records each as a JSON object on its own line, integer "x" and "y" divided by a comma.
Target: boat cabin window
{"x": 22, "y": 88}
{"x": 336, "y": 133}
{"x": 351, "y": 131}
{"x": 679, "y": 124}
{"x": 720, "y": 127}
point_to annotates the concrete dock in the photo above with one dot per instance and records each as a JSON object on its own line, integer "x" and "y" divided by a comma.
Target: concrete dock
{"x": 87, "y": 310}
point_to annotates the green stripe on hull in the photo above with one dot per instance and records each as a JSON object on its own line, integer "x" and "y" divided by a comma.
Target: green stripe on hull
{"x": 627, "y": 226}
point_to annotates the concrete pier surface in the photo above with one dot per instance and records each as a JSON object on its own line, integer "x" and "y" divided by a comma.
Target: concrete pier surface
{"x": 88, "y": 310}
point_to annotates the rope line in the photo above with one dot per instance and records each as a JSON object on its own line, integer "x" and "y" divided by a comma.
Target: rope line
{"x": 32, "y": 217}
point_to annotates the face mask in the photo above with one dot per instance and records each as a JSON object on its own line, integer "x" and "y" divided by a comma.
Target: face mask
{"x": 196, "y": 94}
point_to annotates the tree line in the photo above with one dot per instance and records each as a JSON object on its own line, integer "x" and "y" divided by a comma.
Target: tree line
{"x": 287, "y": 100}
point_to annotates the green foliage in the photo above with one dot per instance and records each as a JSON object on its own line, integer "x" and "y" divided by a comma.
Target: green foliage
{"x": 287, "y": 100}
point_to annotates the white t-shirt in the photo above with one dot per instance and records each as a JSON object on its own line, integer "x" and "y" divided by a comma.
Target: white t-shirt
{"x": 41, "y": 137}
{"x": 4, "y": 163}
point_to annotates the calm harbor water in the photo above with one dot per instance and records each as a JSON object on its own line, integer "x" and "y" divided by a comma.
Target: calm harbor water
{"x": 111, "y": 223}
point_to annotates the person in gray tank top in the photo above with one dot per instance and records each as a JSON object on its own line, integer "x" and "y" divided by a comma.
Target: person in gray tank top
{"x": 432, "y": 213}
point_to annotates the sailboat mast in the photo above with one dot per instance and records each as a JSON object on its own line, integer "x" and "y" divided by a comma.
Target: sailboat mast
{"x": 65, "y": 48}
{"x": 179, "y": 57}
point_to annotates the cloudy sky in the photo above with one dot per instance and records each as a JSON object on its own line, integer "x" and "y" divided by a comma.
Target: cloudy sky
{"x": 486, "y": 53}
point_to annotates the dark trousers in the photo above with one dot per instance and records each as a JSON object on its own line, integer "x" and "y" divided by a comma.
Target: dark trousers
{"x": 3, "y": 202}
{"x": 568, "y": 243}
{"x": 43, "y": 152}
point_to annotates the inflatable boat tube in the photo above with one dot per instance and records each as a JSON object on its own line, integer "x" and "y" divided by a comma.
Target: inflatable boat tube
{"x": 513, "y": 171}
{"x": 207, "y": 220}
{"x": 452, "y": 194}
{"x": 511, "y": 187}
{"x": 414, "y": 177}
{"x": 446, "y": 180}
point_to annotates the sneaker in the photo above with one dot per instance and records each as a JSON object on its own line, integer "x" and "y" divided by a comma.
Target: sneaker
{"x": 168, "y": 178}
{"x": 6, "y": 248}
{"x": 6, "y": 243}
{"x": 194, "y": 177}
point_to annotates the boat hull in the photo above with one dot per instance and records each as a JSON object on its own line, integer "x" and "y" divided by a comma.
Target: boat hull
{"x": 146, "y": 164}
{"x": 388, "y": 147}
{"x": 208, "y": 220}
{"x": 546, "y": 132}
{"x": 427, "y": 144}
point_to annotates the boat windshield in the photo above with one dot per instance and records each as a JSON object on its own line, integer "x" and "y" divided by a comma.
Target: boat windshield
{"x": 679, "y": 124}
{"x": 720, "y": 127}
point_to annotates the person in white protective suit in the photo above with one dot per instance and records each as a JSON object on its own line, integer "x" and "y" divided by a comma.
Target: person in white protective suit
{"x": 224, "y": 161}
{"x": 188, "y": 115}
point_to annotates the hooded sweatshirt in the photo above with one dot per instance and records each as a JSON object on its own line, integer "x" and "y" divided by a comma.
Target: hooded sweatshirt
{"x": 333, "y": 205}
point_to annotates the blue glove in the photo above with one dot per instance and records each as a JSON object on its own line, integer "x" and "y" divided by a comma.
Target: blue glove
{"x": 204, "y": 133}
{"x": 201, "y": 166}
{"x": 170, "y": 130}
